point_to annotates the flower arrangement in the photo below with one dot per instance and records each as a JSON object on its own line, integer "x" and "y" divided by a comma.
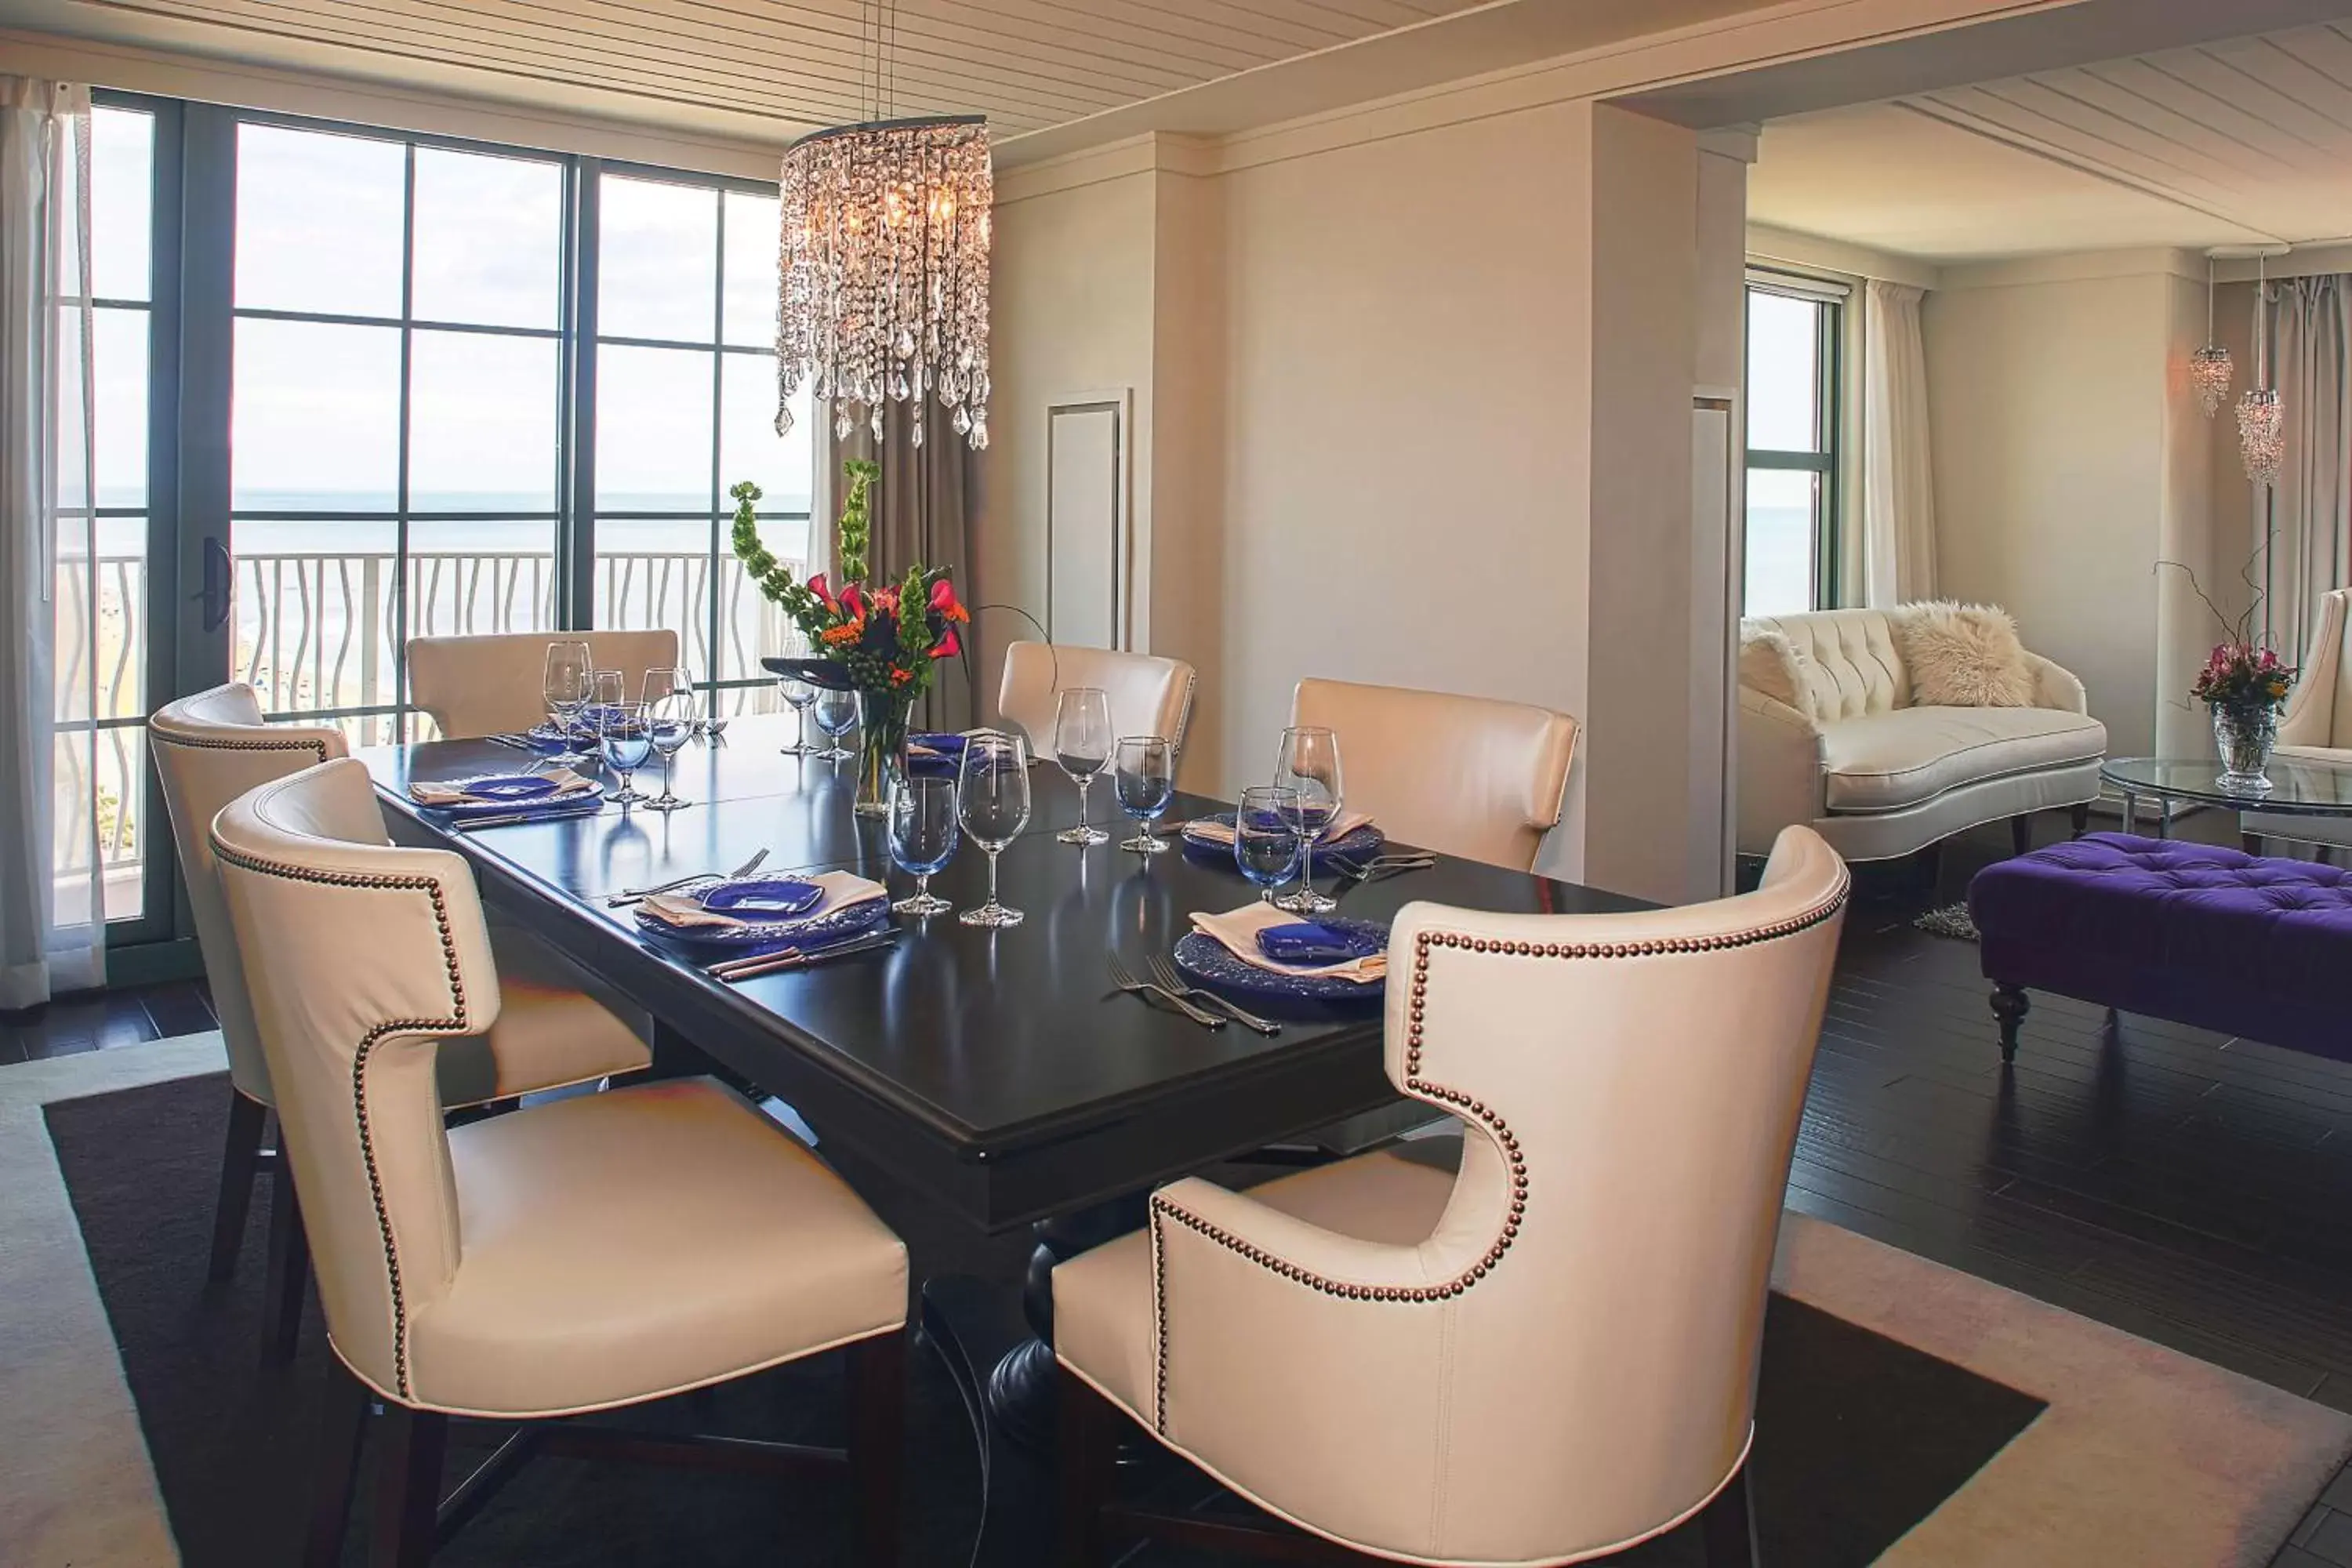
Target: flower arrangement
{"x": 2242, "y": 675}
{"x": 879, "y": 641}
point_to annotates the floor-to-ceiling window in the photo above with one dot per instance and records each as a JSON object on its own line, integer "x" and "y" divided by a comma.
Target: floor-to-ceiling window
{"x": 1794, "y": 343}
{"x": 356, "y": 385}
{"x": 686, "y": 396}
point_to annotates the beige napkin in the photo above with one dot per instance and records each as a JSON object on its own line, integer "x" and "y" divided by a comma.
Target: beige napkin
{"x": 843, "y": 889}
{"x": 1236, "y": 933}
{"x": 1210, "y": 830}
{"x": 453, "y": 791}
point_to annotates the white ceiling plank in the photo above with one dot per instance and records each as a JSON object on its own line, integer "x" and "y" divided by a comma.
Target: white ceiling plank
{"x": 2219, "y": 82}
{"x": 2186, "y": 113}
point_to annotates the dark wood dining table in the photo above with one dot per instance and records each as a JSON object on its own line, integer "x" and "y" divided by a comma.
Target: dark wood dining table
{"x": 989, "y": 1082}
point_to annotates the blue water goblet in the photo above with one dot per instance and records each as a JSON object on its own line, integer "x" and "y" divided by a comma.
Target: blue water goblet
{"x": 1145, "y": 774}
{"x": 924, "y": 833}
{"x": 1266, "y": 837}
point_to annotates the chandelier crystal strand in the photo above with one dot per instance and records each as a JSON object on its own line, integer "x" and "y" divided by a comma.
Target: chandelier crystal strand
{"x": 883, "y": 275}
{"x": 2261, "y": 421}
{"x": 2210, "y": 370}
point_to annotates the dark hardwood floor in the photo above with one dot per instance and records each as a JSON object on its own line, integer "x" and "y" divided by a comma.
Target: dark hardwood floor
{"x": 2190, "y": 1188}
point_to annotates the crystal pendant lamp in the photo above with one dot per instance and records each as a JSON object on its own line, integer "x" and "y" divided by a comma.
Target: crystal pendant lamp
{"x": 883, "y": 274}
{"x": 2209, "y": 369}
{"x": 2261, "y": 422}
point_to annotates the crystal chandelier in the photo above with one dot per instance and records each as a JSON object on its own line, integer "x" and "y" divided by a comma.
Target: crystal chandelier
{"x": 2209, "y": 369}
{"x": 883, "y": 274}
{"x": 2262, "y": 433}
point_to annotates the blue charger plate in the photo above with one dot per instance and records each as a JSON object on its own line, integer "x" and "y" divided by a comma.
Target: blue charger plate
{"x": 764, "y": 936}
{"x": 1365, "y": 840}
{"x": 514, "y": 793}
{"x": 1205, "y": 960}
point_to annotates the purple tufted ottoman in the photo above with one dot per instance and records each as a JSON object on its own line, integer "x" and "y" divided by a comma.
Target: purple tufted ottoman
{"x": 2190, "y": 932}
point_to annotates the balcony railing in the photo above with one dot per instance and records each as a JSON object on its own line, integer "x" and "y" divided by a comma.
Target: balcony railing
{"x": 316, "y": 632}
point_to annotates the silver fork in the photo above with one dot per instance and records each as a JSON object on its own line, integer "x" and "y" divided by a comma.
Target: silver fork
{"x": 1383, "y": 865}
{"x": 1176, "y": 984}
{"x": 1129, "y": 983}
{"x": 631, "y": 895}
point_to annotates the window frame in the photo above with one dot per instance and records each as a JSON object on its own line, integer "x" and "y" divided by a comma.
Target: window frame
{"x": 1825, "y": 459}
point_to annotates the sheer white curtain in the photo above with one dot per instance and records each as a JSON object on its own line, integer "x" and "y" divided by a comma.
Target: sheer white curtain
{"x": 1898, "y": 487}
{"x": 52, "y": 908}
{"x": 2311, "y": 507}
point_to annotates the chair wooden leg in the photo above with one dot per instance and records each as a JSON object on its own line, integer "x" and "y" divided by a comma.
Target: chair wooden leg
{"x": 878, "y": 1428}
{"x": 407, "y": 1486}
{"x": 2079, "y": 815}
{"x": 1086, "y": 1432}
{"x": 343, "y": 1422}
{"x": 2021, "y": 834}
{"x": 2009, "y": 1006}
{"x": 1729, "y": 1527}
{"x": 290, "y": 1268}
{"x": 247, "y": 1118}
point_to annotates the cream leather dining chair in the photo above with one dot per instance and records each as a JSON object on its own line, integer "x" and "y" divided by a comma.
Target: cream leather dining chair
{"x": 492, "y": 685}
{"x": 213, "y": 747}
{"x": 583, "y": 1254}
{"x": 1545, "y": 1357}
{"x": 1148, "y": 696}
{"x": 1464, "y": 776}
{"x": 2316, "y": 727}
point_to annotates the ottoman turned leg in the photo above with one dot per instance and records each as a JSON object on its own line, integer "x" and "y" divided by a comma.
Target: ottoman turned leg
{"x": 2008, "y": 1005}
{"x": 2021, "y": 834}
{"x": 2080, "y": 813}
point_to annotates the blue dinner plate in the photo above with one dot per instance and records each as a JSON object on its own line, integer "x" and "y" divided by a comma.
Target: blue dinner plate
{"x": 515, "y": 793}
{"x": 1204, "y": 960}
{"x": 767, "y": 935}
{"x": 946, "y": 745}
{"x": 1365, "y": 840}
{"x": 778, "y": 898}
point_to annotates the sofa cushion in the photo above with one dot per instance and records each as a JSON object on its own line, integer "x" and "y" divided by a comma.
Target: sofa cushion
{"x": 1849, "y": 663}
{"x": 1962, "y": 656}
{"x": 1887, "y": 762}
{"x": 1770, "y": 665}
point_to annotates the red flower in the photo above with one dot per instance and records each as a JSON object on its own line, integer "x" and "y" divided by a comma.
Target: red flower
{"x": 853, "y": 601}
{"x": 887, "y": 600}
{"x": 943, "y": 600}
{"x": 817, "y": 585}
{"x": 948, "y": 648}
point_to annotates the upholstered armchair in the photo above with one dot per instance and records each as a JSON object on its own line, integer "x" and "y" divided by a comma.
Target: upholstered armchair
{"x": 585, "y": 1254}
{"x": 1465, "y": 775}
{"x": 1546, "y": 1357}
{"x": 1846, "y": 749}
{"x": 488, "y": 685}
{"x": 210, "y": 748}
{"x": 2315, "y": 728}
{"x": 1147, "y": 695}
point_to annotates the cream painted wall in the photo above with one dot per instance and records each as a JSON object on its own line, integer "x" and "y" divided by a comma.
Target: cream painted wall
{"x": 1406, "y": 423}
{"x": 2069, "y": 458}
{"x": 1072, "y": 303}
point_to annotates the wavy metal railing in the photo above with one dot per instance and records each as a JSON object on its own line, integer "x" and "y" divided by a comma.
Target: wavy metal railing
{"x": 316, "y": 629}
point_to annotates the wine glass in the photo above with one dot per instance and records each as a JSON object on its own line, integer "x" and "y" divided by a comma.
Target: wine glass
{"x": 1309, "y": 763}
{"x": 1146, "y": 778}
{"x": 992, "y": 803}
{"x": 626, "y": 740}
{"x": 567, "y": 688}
{"x": 670, "y": 719}
{"x": 798, "y": 694}
{"x": 923, "y": 810}
{"x": 1266, "y": 836}
{"x": 1082, "y": 746}
{"x": 836, "y": 715}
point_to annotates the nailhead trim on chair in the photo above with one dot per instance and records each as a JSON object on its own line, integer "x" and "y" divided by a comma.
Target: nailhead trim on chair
{"x": 204, "y": 744}
{"x": 454, "y": 1024}
{"x": 1422, "y": 1089}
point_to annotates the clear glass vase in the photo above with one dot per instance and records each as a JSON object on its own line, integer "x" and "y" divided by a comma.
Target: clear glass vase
{"x": 2244, "y": 733}
{"x": 881, "y": 749}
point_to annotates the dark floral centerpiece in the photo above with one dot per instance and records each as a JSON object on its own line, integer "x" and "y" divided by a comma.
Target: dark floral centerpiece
{"x": 878, "y": 641}
{"x": 2244, "y": 686}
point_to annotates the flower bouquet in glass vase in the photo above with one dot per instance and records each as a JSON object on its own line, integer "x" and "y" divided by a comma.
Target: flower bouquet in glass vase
{"x": 2245, "y": 686}
{"x": 878, "y": 641}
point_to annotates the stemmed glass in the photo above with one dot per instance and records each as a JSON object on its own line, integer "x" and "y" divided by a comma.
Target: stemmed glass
{"x": 1146, "y": 778}
{"x": 836, "y": 715}
{"x": 625, "y": 739}
{"x": 671, "y": 718}
{"x": 1082, "y": 746}
{"x": 923, "y": 808}
{"x": 1309, "y": 763}
{"x": 992, "y": 802}
{"x": 798, "y": 694}
{"x": 1266, "y": 836}
{"x": 567, "y": 685}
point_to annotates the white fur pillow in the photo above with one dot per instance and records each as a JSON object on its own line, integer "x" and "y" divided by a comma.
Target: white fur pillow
{"x": 1770, "y": 664}
{"x": 1963, "y": 655}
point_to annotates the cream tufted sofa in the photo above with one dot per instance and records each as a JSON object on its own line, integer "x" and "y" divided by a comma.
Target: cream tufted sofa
{"x": 1878, "y": 777}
